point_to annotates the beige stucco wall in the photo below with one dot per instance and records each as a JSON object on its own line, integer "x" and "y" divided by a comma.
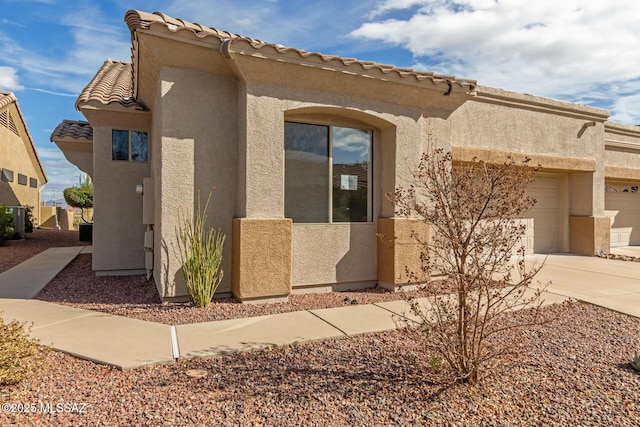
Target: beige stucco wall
{"x": 401, "y": 243}
{"x": 261, "y": 166}
{"x": 17, "y": 156}
{"x": 48, "y": 219}
{"x": 221, "y": 123}
{"x": 327, "y": 254}
{"x": 78, "y": 152}
{"x": 118, "y": 232}
{"x": 195, "y": 128}
{"x": 560, "y": 136}
{"x": 622, "y": 152}
{"x": 589, "y": 235}
{"x": 261, "y": 258}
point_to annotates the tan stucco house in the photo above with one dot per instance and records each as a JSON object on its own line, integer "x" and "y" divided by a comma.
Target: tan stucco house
{"x": 301, "y": 149}
{"x": 22, "y": 175}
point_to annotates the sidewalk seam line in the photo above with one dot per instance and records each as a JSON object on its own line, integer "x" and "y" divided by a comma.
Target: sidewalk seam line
{"x": 66, "y": 320}
{"x": 407, "y": 319}
{"x": 328, "y": 323}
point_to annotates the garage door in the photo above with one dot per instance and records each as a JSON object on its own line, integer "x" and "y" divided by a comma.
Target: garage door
{"x": 622, "y": 205}
{"x": 542, "y": 220}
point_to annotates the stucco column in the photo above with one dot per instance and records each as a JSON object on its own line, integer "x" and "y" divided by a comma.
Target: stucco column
{"x": 589, "y": 229}
{"x": 261, "y": 259}
{"x": 589, "y": 235}
{"x": 400, "y": 245}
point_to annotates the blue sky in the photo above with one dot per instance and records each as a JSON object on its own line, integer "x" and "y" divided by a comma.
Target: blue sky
{"x": 575, "y": 50}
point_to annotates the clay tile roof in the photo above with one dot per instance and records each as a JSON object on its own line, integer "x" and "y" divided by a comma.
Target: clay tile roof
{"x": 74, "y": 129}
{"x": 112, "y": 84}
{"x": 138, "y": 20}
{"x": 6, "y": 98}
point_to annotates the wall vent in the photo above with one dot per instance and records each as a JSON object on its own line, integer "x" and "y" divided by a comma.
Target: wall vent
{"x": 12, "y": 125}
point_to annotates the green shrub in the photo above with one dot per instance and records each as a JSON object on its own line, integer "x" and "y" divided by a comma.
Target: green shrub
{"x": 200, "y": 251}
{"x": 28, "y": 219}
{"x": 6, "y": 224}
{"x": 19, "y": 353}
{"x": 80, "y": 197}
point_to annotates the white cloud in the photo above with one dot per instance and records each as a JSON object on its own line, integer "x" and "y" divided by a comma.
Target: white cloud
{"x": 347, "y": 140}
{"x": 90, "y": 45}
{"x": 68, "y": 95}
{"x": 626, "y": 109}
{"x": 9, "y": 79}
{"x": 389, "y": 5}
{"x": 569, "y": 49}
{"x": 60, "y": 173}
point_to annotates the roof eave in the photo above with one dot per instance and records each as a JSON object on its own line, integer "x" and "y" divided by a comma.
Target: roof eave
{"x": 160, "y": 23}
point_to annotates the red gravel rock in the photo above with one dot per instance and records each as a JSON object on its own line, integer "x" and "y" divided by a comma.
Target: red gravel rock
{"x": 134, "y": 296}
{"x": 573, "y": 371}
{"x": 16, "y": 251}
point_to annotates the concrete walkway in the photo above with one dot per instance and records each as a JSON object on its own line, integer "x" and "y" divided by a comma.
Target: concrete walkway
{"x": 129, "y": 343}
{"x": 25, "y": 280}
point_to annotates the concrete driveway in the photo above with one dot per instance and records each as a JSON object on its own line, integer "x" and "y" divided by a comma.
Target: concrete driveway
{"x": 610, "y": 283}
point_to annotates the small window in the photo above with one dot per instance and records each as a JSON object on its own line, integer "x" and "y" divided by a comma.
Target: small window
{"x": 634, "y": 188}
{"x": 33, "y": 182}
{"x": 7, "y": 175}
{"x": 129, "y": 145}
{"x": 22, "y": 179}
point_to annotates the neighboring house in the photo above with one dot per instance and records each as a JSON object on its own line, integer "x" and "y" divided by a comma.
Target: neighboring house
{"x": 22, "y": 176}
{"x": 302, "y": 148}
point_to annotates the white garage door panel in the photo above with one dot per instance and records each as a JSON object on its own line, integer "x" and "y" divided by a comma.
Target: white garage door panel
{"x": 542, "y": 220}
{"x": 624, "y": 211}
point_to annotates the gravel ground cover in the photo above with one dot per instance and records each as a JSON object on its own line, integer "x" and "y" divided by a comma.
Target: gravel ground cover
{"x": 16, "y": 251}
{"x": 134, "y": 296}
{"x": 572, "y": 371}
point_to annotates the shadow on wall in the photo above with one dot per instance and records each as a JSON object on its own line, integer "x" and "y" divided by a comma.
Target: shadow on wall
{"x": 175, "y": 288}
{"x": 359, "y": 263}
{"x": 7, "y": 196}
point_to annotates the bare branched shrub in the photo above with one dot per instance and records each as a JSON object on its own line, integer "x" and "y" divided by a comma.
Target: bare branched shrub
{"x": 19, "y": 353}
{"x": 473, "y": 211}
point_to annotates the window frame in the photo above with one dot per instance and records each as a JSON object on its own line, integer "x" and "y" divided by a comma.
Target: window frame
{"x": 331, "y": 124}
{"x": 129, "y": 145}
{"x": 7, "y": 175}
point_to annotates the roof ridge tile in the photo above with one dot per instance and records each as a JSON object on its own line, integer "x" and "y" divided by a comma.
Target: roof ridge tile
{"x": 113, "y": 83}
{"x": 77, "y": 129}
{"x": 136, "y": 20}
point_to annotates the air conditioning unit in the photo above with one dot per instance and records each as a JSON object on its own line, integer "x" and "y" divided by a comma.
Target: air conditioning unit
{"x": 18, "y": 214}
